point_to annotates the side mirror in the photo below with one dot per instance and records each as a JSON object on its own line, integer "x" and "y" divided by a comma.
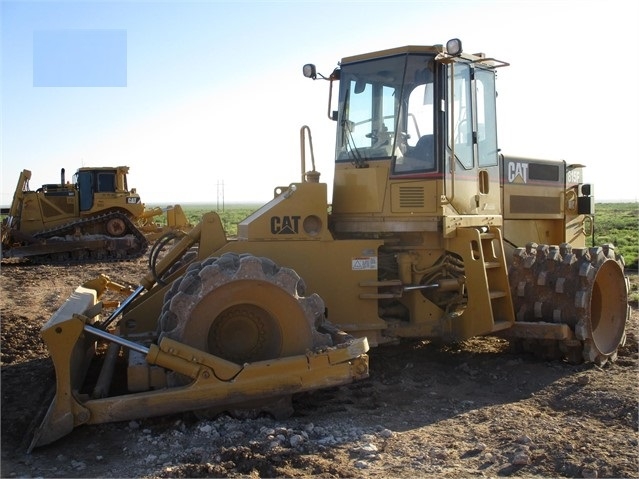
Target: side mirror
{"x": 310, "y": 71}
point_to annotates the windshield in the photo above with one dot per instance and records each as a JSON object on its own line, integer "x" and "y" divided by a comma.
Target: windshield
{"x": 387, "y": 112}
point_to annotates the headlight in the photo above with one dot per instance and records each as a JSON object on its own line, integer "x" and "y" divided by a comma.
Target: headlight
{"x": 454, "y": 47}
{"x": 309, "y": 71}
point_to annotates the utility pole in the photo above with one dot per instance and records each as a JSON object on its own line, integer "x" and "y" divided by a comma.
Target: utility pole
{"x": 220, "y": 194}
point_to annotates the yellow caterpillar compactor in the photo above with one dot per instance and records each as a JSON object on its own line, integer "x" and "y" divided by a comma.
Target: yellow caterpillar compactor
{"x": 94, "y": 218}
{"x": 431, "y": 233}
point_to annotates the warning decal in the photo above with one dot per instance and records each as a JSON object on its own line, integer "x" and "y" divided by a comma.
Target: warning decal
{"x": 364, "y": 263}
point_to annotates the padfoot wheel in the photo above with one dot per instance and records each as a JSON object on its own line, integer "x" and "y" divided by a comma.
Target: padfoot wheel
{"x": 244, "y": 309}
{"x": 584, "y": 288}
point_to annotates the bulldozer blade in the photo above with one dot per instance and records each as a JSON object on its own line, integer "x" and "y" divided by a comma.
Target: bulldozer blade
{"x": 71, "y": 351}
{"x": 70, "y": 337}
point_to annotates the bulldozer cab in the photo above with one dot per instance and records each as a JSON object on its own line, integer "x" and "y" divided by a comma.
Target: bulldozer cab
{"x": 412, "y": 115}
{"x": 94, "y": 181}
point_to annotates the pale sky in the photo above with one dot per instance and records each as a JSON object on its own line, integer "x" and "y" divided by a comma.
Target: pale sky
{"x": 193, "y": 95}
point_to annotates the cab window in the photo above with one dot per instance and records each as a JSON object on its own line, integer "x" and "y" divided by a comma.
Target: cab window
{"x": 486, "y": 118}
{"x": 460, "y": 138}
{"x": 417, "y": 144}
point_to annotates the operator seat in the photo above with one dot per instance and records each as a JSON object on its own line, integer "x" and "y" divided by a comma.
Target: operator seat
{"x": 424, "y": 150}
{"x": 422, "y": 155}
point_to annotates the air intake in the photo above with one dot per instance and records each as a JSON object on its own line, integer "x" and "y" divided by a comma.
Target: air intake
{"x": 411, "y": 197}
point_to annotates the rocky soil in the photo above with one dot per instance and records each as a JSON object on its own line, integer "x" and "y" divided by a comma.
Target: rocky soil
{"x": 472, "y": 409}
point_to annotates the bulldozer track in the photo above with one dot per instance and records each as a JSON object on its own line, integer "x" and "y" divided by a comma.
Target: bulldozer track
{"x": 93, "y": 256}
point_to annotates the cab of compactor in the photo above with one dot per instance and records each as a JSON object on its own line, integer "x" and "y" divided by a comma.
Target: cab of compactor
{"x": 417, "y": 151}
{"x": 416, "y": 135}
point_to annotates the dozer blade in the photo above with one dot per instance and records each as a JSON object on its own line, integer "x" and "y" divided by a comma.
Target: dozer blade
{"x": 71, "y": 352}
{"x": 216, "y": 382}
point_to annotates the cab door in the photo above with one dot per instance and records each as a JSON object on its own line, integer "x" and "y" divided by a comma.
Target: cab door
{"x": 85, "y": 189}
{"x": 472, "y": 172}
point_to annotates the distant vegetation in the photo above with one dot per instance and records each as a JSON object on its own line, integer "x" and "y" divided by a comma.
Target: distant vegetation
{"x": 230, "y": 215}
{"x": 618, "y": 223}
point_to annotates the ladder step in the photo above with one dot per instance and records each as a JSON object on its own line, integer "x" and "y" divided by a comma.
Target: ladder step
{"x": 497, "y": 294}
{"x": 487, "y": 235}
{"x": 492, "y": 264}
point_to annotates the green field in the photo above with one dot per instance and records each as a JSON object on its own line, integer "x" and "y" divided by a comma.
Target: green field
{"x": 230, "y": 215}
{"x": 618, "y": 223}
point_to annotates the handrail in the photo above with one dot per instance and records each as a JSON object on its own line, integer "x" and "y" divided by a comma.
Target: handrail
{"x": 306, "y": 129}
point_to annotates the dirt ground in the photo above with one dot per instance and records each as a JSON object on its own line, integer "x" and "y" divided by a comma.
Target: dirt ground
{"x": 466, "y": 410}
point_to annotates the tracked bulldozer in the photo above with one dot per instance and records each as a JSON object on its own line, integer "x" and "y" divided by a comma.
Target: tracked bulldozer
{"x": 95, "y": 218}
{"x": 431, "y": 233}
